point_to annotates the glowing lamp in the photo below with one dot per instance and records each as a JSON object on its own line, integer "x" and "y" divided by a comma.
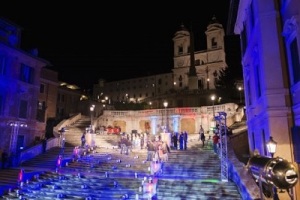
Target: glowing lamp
{"x": 271, "y": 146}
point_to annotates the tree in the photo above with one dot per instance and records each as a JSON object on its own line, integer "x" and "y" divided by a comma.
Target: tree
{"x": 227, "y": 82}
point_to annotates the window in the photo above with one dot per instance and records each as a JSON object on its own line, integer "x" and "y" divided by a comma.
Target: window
{"x": 23, "y": 109}
{"x": 180, "y": 81}
{"x": 2, "y": 65}
{"x": 252, "y": 15}
{"x": 26, "y": 74}
{"x": 295, "y": 61}
{"x": 258, "y": 85}
{"x": 180, "y": 49}
{"x": 41, "y": 105}
{"x": 200, "y": 84}
{"x": 214, "y": 44}
{"x": 41, "y": 111}
{"x": 1, "y": 104}
{"x": 42, "y": 88}
{"x": 244, "y": 40}
{"x": 159, "y": 81}
{"x": 249, "y": 92}
{"x": 264, "y": 142}
{"x": 253, "y": 141}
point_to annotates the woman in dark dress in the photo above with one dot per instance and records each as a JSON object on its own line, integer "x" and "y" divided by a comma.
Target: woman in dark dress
{"x": 181, "y": 141}
{"x": 175, "y": 140}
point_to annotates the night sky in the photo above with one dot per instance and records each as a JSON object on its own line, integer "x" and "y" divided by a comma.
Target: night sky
{"x": 85, "y": 41}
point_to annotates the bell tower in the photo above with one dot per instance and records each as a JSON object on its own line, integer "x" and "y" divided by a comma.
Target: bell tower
{"x": 214, "y": 35}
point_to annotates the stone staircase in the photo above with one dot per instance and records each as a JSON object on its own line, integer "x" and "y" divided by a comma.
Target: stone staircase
{"x": 104, "y": 173}
{"x": 194, "y": 174}
{"x": 75, "y": 131}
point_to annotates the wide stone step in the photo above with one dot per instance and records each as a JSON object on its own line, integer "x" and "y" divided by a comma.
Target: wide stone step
{"x": 48, "y": 186}
{"x": 197, "y": 189}
{"x": 49, "y": 159}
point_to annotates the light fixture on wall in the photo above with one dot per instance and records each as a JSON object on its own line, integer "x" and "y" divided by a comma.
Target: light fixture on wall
{"x": 240, "y": 91}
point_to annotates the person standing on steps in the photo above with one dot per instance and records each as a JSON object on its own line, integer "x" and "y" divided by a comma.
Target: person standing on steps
{"x": 202, "y": 137}
{"x": 200, "y": 132}
{"x": 83, "y": 140}
{"x": 185, "y": 140}
{"x": 150, "y": 150}
{"x": 181, "y": 141}
{"x": 216, "y": 139}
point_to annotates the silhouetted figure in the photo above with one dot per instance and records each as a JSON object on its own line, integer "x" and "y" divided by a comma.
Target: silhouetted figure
{"x": 175, "y": 140}
{"x": 200, "y": 132}
{"x": 185, "y": 138}
{"x": 202, "y": 137}
{"x": 216, "y": 139}
{"x": 150, "y": 150}
{"x": 83, "y": 140}
{"x": 181, "y": 141}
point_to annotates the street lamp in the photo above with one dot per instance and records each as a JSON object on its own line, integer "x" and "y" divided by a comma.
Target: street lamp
{"x": 92, "y": 108}
{"x": 213, "y": 98}
{"x": 240, "y": 91}
{"x": 14, "y": 148}
{"x": 271, "y": 146}
{"x": 166, "y": 105}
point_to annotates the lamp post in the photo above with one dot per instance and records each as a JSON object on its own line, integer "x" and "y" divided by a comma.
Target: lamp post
{"x": 92, "y": 108}
{"x": 213, "y": 98}
{"x": 166, "y": 105}
{"x": 240, "y": 91}
{"x": 271, "y": 146}
{"x": 14, "y": 135}
{"x": 13, "y": 145}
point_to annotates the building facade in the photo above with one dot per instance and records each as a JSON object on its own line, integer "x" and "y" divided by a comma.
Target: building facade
{"x": 269, "y": 35}
{"x": 19, "y": 91}
{"x": 48, "y": 95}
{"x": 155, "y": 121}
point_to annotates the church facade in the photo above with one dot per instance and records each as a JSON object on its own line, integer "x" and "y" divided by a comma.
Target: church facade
{"x": 174, "y": 87}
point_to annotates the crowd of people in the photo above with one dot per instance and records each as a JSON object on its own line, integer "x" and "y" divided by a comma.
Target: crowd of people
{"x": 158, "y": 146}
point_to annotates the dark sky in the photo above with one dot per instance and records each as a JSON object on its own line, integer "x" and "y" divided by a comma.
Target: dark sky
{"x": 88, "y": 40}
